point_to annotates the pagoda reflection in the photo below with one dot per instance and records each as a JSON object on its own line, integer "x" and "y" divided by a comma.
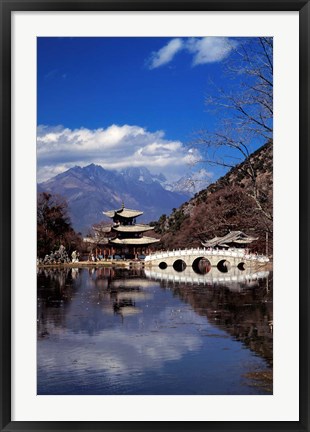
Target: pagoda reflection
{"x": 89, "y": 300}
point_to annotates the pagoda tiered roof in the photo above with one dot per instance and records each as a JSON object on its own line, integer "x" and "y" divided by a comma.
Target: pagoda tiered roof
{"x": 127, "y": 232}
{"x": 132, "y": 228}
{"x": 123, "y": 212}
{"x": 134, "y": 241}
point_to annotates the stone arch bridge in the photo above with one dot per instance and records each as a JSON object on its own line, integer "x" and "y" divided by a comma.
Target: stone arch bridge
{"x": 202, "y": 259}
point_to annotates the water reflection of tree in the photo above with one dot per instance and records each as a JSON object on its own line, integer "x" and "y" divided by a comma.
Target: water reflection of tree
{"x": 242, "y": 310}
{"x": 245, "y": 314}
{"x": 54, "y": 292}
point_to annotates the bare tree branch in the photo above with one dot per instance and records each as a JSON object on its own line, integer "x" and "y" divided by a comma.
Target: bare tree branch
{"x": 245, "y": 113}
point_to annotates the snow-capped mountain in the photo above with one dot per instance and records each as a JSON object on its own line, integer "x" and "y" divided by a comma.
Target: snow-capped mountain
{"x": 92, "y": 189}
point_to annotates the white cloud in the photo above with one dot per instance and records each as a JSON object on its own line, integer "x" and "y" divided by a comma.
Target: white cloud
{"x": 210, "y": 49}
{"x": 114, "y": 351}
{"x": 165, "y": 54}
{"x": 116, "y": 147}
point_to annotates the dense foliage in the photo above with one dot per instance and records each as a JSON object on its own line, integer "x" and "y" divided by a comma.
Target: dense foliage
{"x": 54, "y": 226}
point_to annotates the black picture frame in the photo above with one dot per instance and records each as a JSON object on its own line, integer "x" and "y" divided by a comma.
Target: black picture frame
{"x": 7, "y": 7}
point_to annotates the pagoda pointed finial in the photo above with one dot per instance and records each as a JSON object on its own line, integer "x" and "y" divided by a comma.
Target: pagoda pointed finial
{"x": 123, "y": 205}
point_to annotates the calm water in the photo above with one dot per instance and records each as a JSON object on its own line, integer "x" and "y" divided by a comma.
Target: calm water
{"x": 104, "y": 331}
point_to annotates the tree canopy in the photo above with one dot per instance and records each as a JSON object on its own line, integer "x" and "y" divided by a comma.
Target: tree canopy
{"x": 53, "y": 225}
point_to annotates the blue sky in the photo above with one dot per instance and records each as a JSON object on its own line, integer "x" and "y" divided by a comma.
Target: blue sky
{"x": 122, "y": 102}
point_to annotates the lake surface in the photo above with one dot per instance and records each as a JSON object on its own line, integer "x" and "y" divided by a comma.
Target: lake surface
{"x": 104, "y": 331}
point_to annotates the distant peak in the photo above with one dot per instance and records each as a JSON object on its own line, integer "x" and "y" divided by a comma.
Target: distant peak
{"x": 93, "y": 167}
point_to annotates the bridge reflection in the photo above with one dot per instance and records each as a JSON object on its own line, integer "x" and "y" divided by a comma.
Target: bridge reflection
{"x": 188, "y": 276}
{"x": 86, "y": 300}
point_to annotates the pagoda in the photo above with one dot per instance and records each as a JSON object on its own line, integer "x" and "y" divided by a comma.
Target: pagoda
{"x": 128, "y": 239}
{"x": 235, "y": 239}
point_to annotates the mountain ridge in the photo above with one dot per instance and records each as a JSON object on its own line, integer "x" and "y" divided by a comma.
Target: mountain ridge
{"x": 92, "y": 189}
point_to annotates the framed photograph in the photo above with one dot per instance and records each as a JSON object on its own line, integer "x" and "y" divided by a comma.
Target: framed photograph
{"x": 154, "y": 215}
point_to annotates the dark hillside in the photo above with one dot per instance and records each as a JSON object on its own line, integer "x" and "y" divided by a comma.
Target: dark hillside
{"x": 240, "y": 200}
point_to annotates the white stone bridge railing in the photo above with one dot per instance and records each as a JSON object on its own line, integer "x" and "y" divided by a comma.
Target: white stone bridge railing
{"x": 179, "y": 253}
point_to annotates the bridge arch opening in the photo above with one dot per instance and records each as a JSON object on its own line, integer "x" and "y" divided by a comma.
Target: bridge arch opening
{"x": 201, "y": 265}
{"x": 223, "y": 266}
{"x": 163, "y": 265}
{"x": 241, "y": 266}
{"x": 179, "y": 265}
